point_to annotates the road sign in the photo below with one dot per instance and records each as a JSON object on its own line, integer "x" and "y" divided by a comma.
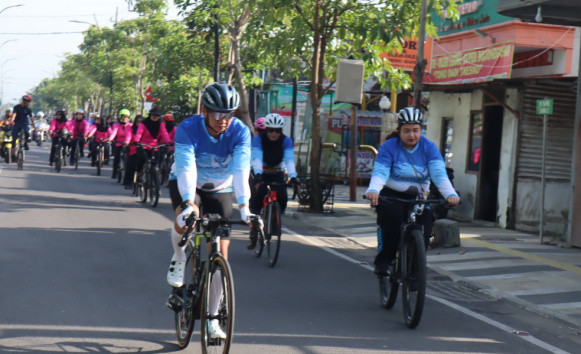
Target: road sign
{"x": 545, "y": 106}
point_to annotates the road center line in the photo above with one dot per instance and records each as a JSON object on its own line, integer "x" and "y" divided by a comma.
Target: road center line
{"x": 529, "y": 338}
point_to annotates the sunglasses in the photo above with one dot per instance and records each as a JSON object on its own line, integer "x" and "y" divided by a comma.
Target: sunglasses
{"x": 274, "y": 130}
{"x": 221, "y": 115}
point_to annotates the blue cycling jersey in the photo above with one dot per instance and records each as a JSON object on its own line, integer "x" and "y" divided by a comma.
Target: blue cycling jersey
{"x": 210, "y": 164}
{"x": 399, "y": 168}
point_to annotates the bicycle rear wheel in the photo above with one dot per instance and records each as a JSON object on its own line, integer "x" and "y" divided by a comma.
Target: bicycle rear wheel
{"x": 273, "y": 234}
{"x": 20, "y": 158}
{"x": 219, "y": 271}
{"x": 185, "y": 317}
{"x": 414, "y": 286}
{"x": 388, "y": 288}
{"x": 154, "y": 187}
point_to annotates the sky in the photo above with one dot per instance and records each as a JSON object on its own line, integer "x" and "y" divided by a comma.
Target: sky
{"x": 26, "y": 59}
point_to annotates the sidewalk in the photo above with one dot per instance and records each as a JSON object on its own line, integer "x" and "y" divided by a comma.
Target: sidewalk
{"x": 508, "y": 265}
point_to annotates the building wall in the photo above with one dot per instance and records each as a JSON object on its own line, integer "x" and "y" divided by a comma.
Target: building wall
{"x": 458, "y": 107}
{"x": 508, "y": 158}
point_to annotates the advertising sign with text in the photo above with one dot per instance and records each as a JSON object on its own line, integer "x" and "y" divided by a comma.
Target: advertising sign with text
{"x": 472, "y": 65}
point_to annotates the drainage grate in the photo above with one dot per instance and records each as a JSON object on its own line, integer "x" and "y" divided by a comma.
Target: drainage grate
{"x": 453, "y": 291}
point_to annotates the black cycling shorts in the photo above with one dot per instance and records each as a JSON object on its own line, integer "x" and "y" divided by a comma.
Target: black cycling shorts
{"x": 209, "y": 202}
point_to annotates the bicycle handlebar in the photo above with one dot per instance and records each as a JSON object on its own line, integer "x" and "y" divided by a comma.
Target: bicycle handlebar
{"x": 410, "y": 201}
{"x": 150, "y": 146}
{"x": 211, "y": 221}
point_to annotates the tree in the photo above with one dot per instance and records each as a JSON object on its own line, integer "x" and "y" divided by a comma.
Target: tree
{"x": 313, "y": 34}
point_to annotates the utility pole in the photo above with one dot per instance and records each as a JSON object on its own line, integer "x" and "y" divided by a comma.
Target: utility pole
{"x": 421, "y": 62}
{"x": 216, "y": 50}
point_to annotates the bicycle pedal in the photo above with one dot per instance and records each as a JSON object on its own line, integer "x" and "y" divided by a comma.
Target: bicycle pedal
{"x": 172, "y": 304}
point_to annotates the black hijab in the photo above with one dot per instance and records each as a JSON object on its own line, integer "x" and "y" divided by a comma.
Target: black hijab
{"x": 152, "y": 127}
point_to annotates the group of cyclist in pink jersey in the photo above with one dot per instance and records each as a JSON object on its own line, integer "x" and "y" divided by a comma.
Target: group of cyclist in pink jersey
{"x": 138, "y": 137}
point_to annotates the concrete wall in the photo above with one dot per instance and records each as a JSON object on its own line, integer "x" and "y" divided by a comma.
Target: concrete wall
{"x": 508, "y": 154}
{"x": 458, "y": 107}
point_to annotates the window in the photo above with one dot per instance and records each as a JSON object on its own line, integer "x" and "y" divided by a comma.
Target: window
{"x": 447, "y": 140}
{"x": 475, "y": 147}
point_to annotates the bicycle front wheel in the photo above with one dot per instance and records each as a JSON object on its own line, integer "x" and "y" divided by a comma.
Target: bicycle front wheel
{"x": 414, "y": 284}
{"x": 58, "y": 159}
{"x": 77, "y": 156}
{"x": 99, "y": 161}
{"x": 273, "y": 234}
{"x": 219, "y": 293}
{"x": 154, "y": 187}
{"x": 143, "y": 187}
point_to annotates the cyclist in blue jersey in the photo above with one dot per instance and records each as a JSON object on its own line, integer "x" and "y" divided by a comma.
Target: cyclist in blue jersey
{"x": 271, "y": 151}
{"x": 403, "y": 168}
{"x": 212, "y": 159}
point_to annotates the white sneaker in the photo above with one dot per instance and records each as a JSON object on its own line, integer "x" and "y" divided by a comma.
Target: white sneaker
{"x": 175, "y": 274}
{"x": 215, "y": 331}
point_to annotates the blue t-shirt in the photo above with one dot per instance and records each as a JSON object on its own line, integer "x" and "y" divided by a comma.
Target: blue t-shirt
{"x": 22, "y": 115}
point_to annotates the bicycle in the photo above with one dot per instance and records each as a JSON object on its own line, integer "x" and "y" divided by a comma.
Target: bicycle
{"x": 77, "y": 154}
{"x": 167, "y": 159}
{"x": 410, "y": 263}
{"x": 122, "y": 161}
{"x": 20, "y": 149}
{"x": 59, "y": 154}
{"x": 271, "y": 214}
{"x": 146, "y": 181}
{"x": 191, "y": 301}
{"x": 100, "y": 151}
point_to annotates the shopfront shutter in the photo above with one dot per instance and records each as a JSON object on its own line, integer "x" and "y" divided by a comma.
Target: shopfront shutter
{"x": 560, "y": 131}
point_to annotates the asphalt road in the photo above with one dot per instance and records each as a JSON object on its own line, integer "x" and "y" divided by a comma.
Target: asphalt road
{"x": 83, "y": 266}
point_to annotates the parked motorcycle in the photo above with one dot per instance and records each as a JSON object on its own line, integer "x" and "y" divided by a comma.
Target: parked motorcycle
{"x": 41, "y": 133}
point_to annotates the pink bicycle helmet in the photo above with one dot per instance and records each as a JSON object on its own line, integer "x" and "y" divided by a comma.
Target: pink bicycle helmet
{"x": 259, "y": 124}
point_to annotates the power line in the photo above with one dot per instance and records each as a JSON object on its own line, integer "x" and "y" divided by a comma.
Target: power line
{"x": 36, "y": 33}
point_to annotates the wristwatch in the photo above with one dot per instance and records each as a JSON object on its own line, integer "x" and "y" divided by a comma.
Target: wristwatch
{"x": 185, "y": 204}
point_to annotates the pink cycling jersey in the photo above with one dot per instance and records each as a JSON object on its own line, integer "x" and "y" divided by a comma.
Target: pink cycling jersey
{"x": 144, "y": 137}
{"x": 56, "y": 126}
{"x": 79, "y": 128}
{"x": 121, "y": 133}
{"x": 99, "y": 135}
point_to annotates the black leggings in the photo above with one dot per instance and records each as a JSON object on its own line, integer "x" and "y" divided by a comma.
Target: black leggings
{"x": 55, "y": 140}
{"x": 390, "y": 217}
{"x": 258, "y": 195}
{"x": 213, "y": 203}
{"x": 74, "y": 148}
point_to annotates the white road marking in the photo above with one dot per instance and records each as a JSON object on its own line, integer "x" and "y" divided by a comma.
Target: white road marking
{"x": 529, "y": 338}
{"x": 563, "y": 306}
{"x": 545, "y": 291}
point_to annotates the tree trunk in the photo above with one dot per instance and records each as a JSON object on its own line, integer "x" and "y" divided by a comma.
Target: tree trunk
{"x": 317, "y": 76}
{"x": 235, "y": 34}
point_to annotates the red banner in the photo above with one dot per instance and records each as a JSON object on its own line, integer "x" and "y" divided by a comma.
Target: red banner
{"x": 472, "y": 65}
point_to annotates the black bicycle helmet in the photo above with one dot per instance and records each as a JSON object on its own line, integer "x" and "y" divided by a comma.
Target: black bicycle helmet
{"x": 409, "y": 115}
{"x": 218, "y": 97}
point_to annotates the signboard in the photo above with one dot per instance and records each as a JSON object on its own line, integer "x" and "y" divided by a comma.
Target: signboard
{"x": 148, "y": 95}
{"x": 407, "y": 57}
{"x": 473, "y": 14}
{"x": 472, "y": 65}
{"x": 545, "y": 106}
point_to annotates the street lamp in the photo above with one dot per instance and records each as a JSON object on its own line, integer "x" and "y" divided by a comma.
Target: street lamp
{"x": 6, "y": 8}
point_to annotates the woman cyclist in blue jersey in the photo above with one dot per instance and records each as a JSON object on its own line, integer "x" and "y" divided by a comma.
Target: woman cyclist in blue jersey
{"x": 212, "y": 159}
{"x": 271, "y": 152}
{"x": 403, "y": 167}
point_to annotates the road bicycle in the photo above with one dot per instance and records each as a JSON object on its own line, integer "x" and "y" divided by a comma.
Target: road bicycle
{"x": 191, "y": 301}
{"x": 101, "y": 145}
{"x": 147, "y": 181}
{"x": 271, "y": 215}
{"x": 20, "y": 149}
{"x": 59, "y": 154}
{"x": 409, "y": 269}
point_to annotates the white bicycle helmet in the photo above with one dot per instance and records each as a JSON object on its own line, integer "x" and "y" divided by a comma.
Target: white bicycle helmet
{"x": 40, "y": 114}
{"x": 274, "y": 120}
{"x": 409, "y": 115}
